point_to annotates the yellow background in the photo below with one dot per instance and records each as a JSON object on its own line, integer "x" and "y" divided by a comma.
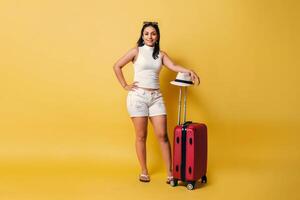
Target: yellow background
{"x": 64, "y": 129}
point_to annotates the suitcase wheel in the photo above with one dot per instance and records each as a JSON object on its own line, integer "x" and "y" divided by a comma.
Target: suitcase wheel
{"x": 174, "y": 182}
{"x": 190, "y": 185}
{"x": 204, "y": 179}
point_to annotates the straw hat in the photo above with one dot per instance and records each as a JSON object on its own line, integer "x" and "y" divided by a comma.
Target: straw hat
{"x": 183, "y": 79}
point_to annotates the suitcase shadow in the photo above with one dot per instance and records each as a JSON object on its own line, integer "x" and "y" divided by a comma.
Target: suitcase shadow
{"x": 200, "y": 185}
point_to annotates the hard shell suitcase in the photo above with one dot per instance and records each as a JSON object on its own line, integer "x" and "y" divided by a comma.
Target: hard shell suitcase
{"x": 189, "y": 151}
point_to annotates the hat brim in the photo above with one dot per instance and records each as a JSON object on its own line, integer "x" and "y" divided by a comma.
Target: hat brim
{"x": 180, "y": 84}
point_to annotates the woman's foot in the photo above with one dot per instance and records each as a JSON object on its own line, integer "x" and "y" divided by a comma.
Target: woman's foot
{"x": 144, "y": 178}
{"x": 169, "y": 179}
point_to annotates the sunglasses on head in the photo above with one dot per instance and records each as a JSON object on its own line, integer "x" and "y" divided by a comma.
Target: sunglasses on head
{"x": 150, "y": 23}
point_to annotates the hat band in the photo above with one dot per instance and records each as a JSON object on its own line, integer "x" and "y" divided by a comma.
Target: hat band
{"x": 182, "y": 81}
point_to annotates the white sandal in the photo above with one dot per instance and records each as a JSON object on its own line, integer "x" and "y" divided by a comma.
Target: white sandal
{"x": 169, "y": 179}
{"x": 144, "y": 178}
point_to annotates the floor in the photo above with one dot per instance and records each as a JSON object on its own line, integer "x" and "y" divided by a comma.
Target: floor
{"x": 90, "y": 179}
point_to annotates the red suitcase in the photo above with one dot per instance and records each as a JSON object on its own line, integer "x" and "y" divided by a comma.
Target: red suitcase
{"x": 189, "y": 151}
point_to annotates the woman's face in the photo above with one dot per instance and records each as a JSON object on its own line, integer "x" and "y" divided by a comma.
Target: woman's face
{"x": 150, "y": 36}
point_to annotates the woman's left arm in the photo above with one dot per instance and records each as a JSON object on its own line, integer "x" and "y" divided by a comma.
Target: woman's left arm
{"x": 177, "y": 68}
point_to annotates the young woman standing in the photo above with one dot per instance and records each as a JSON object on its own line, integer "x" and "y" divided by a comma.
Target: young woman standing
{"x": 144, "y": 100}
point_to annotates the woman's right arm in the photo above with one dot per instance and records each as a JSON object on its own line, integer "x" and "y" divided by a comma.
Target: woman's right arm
{"x": 129, "y": 56}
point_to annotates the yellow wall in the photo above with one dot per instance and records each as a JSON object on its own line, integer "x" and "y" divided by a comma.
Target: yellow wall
{"x": 60, "y": 100}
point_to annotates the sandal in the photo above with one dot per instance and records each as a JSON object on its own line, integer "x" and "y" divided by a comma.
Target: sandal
{"x": 144, "y": 178}
{"x": 169, "y": 179}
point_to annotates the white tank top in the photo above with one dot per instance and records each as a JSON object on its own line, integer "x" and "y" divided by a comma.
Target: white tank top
{"x": 146, "y": 68}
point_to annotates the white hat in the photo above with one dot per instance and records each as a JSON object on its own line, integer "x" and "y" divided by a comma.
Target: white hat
{"x": 183, "y": 79}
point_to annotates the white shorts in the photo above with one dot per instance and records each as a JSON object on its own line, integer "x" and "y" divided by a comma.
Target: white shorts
{"x": 141, "y": 103}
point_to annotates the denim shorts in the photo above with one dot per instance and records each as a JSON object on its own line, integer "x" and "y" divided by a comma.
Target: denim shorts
{"x": 142, "y": 103}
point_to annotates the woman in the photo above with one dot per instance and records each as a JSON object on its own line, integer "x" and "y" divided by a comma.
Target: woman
{"x": 144, "y": 98}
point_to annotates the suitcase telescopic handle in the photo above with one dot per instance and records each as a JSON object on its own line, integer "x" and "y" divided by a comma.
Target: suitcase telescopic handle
{"x": 184, "y": 105}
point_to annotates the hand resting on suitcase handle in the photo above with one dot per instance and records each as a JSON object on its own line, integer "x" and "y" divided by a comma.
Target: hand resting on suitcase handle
{"x": 195, "y": 77}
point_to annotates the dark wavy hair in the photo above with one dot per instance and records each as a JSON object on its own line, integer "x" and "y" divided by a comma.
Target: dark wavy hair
{"x": 140, "y": 42}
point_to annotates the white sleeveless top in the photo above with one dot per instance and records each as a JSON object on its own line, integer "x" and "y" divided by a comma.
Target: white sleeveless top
{"x": 146, "y": 68}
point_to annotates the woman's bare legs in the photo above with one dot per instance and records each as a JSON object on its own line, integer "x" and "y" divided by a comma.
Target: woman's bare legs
{"x": 160, "y": 128}
{"x": 140, "y": 125}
